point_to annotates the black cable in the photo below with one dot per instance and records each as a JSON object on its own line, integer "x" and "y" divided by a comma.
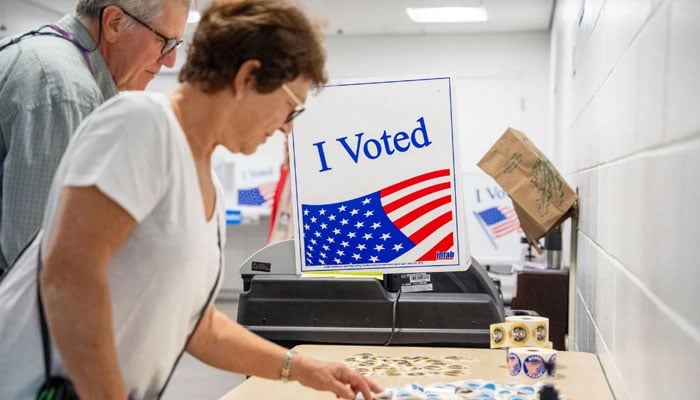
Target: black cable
{"x": 37, "y": 32}
{"x": 457, "y": 282}
{"x": 393, "y": 318}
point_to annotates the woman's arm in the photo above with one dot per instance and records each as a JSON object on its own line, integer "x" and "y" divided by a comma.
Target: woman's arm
{"x": 222, "y": 343}
{"x": 88, "y": 229}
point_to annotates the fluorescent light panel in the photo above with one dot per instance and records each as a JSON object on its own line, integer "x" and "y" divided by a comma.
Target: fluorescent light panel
{"x": 448, "y": 14}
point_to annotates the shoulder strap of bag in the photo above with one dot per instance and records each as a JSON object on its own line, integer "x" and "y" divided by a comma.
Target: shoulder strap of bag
{"x": 204, "y": 307}
{"x": 44, "y": 329}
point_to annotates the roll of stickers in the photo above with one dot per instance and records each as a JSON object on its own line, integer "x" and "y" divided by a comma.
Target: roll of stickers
{"x": 519, "y": 331}
{"x": 530, "y": 362}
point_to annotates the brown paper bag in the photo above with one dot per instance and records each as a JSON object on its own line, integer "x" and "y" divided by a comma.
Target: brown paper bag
{"x": 541, "y": 197}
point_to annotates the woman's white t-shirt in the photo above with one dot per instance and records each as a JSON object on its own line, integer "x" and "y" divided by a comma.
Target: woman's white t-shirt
{"x": 134, "y": 150}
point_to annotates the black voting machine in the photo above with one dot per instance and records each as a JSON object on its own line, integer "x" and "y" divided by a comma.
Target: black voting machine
{"x": 287, "y": 309}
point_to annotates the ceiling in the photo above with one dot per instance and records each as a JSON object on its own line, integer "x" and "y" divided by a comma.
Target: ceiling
{"x": 388, "y": 17}
{"x": 381, "y": 17}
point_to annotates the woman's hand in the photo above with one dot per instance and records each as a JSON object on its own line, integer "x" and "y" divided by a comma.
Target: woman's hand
{"x": 333, "y": 377}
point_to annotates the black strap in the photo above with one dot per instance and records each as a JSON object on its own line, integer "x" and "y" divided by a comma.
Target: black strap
{"x": 45, "y": 331}
{"x": 19, "y": 255}
{"x": 37, "y": 32}
{"x": 42, "y": 317}
{"x": 204, "y": 308}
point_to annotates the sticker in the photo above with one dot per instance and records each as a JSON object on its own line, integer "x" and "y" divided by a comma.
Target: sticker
{"x": 527, "y": 389}
{"x": 261, "y": 266}
{"x": 517, "y": 333}
{"x": 539, "y": 332}
{"x": 514, "y": 365}
{"x": 533, "y": 366}
{"x": 377, "y": 365}
{"x": 498, "y": 335}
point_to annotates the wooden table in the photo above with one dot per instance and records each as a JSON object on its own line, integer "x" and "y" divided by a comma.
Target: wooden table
{"x": 579, "y": 375}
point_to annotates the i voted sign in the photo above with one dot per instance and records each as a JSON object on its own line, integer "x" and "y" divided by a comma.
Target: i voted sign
{"x": 375, "y": 179}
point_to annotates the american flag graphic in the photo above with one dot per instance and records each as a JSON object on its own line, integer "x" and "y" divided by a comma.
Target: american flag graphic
{"x": 499, "y": 221}
{"x": 257, "y": 196}
{"x": 410, "y": 219}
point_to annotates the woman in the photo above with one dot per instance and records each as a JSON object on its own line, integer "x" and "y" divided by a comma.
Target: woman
{"x": 133, "y": 232}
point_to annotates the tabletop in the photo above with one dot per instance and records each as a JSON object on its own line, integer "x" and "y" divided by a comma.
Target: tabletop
{"x": 579, "y": 375}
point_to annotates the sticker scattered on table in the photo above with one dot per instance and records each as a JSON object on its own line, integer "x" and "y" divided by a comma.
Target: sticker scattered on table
{"x": 377, "y": 365}
{"x": 462, "y": 390}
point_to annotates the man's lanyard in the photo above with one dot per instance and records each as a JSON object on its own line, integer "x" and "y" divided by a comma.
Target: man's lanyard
{"x": 71, "y": 38}
{"x": 61, "y": 33}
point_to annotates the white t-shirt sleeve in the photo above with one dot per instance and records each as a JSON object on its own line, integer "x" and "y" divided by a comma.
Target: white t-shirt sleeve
{"x": 123, "y": 149}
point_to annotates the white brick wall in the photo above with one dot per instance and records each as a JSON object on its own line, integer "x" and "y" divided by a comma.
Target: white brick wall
{"x": 626, "y": 78}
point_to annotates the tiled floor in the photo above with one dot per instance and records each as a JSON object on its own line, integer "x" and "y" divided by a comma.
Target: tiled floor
{"x": 194, "y": 380}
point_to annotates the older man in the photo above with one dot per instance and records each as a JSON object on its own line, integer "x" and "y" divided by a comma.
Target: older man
{"x": 52, "y": 78}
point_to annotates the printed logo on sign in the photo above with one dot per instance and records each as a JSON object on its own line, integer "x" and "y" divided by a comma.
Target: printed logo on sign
{"x": 444, "y": 255}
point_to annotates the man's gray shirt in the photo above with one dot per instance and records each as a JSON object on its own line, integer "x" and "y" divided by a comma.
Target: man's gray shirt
{"x": 46, "y": 89}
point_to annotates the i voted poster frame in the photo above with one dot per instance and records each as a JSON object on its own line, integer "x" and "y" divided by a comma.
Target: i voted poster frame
{"x": 379, "y": 143}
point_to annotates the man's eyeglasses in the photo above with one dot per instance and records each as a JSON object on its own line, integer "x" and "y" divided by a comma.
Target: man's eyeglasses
{"x": 169, "y": 44}
{"x": 299, "y": 105}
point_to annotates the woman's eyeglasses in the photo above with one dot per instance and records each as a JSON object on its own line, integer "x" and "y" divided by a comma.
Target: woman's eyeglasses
{"x": 169, "y": 44}
{"x": 299, "y": 105}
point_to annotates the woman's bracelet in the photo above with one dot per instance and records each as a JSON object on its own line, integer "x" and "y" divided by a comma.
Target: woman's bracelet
{"x": 287, "y": 365}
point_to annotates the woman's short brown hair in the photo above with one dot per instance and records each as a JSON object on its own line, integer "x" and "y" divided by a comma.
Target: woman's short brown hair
{"x": 275, "y": 32}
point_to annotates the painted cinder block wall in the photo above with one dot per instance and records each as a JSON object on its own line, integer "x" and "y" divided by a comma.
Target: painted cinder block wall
{"x": 626, "y": 132}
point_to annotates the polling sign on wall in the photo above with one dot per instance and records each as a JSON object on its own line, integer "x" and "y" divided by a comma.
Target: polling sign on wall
{"x": 376, "y": 182}
{"x": 494, "y": 228}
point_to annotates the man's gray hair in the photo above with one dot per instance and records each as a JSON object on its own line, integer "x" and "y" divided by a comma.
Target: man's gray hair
{"x": 146, "y": 10}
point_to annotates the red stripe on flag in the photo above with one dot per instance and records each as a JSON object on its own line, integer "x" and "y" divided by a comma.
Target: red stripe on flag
{"x": 505, "y": 229}
{"x": 422, "y": 210}
{"x": 510, "y": 224}
{"x": 444, "y": 245}
{"x": 430, "y": 228}
{"x": 267, "y": 190}
{"x": 394, "y": 205}
{"x": 412, "y": 181}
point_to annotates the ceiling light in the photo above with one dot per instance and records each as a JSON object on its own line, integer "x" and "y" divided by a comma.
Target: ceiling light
{"x": 193, "y": 17}
{"x": 448, "y": 14}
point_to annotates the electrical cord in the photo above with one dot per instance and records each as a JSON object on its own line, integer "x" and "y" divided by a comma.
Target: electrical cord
{"x": 393, "y": 318}
{"x": 459, "y": 284}
{"x": 37, "y": 32}
{"x": 396, "y": 302}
